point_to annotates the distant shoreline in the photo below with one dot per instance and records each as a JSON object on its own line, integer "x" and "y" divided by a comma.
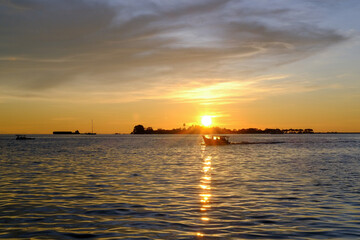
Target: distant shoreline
{"x": 315, "y": 133}
{"x": 140, "y": 129}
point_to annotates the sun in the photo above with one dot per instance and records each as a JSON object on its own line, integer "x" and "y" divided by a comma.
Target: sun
{"x": 206, "y": 121}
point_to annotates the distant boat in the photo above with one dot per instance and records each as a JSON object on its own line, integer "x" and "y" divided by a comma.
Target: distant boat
{"x": 92, "y": 130}
{"x": 216, "y": 140}
{"x": 23, "y": 137}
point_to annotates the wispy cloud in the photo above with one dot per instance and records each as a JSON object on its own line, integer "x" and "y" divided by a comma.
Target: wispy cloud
{"x": 129, "y": 50}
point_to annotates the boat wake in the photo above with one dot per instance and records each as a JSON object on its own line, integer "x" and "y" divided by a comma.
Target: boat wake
{"x": 245, "y": 142}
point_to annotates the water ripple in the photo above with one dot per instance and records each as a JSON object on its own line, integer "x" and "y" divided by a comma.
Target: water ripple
{"x": 172, "y": 187}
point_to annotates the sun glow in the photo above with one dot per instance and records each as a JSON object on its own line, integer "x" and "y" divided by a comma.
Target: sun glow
{"x": 206, "y": 121}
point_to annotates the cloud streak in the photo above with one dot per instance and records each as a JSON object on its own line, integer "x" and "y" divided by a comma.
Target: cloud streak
{"x": 136, "y": 46}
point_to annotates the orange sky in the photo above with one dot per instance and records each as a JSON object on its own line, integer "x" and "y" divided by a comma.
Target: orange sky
{"x": 162, "y": 64}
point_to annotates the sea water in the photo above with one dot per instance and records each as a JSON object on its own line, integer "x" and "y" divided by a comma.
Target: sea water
{"x": 173, "y": 187}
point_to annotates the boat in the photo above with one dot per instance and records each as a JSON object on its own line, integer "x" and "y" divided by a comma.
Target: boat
{"x": 23, "y": 137}
{"x": 92, "y": 130}
{"x": 216, "y": 140}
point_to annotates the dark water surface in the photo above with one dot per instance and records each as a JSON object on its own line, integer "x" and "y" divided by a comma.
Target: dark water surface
{"x": 172, "y": 187}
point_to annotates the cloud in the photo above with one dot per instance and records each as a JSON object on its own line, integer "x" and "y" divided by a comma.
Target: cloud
{"x": 133, "y": 45}
{"x": 18, "y": 4}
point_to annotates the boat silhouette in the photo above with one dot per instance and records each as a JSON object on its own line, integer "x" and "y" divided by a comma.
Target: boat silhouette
{"x": 216, "y": 140}
{"x": 23, "y": 137}
{"x": 92, "y": 130}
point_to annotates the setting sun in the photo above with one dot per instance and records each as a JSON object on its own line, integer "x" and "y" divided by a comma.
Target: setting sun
{"x": 206, "y": 121}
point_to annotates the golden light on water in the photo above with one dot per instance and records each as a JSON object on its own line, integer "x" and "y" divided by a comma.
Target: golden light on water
{"x": 205, "y": 184}
{"x": 205, "y": 194}
{"x": 205, "y": 187}
{"x": 206, "y": 121}
{"x": 207, "y": 178}
{"x": 206, "y": 169}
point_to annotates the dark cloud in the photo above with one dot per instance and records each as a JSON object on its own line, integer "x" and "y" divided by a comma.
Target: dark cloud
{"x": 52, "y": 29}
{"x": 18, "y": 4}
{"x": 44, "y": 44}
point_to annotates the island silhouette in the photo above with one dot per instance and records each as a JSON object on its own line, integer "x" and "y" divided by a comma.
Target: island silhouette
{"x": 140, "y": 129}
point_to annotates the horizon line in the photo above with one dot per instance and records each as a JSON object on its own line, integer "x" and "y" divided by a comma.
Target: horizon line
{"x": 328, "y": 132}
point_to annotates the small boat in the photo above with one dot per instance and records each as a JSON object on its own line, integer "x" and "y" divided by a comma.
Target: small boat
{"x": 216, "y": 140}
{"x": 92, "y": 130}
{"x": 23, "y": 137}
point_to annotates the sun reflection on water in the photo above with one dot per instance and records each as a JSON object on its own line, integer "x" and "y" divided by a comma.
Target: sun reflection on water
{"x": 205, "y": 190}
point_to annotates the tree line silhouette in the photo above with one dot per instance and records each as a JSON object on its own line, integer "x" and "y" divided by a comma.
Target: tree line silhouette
{"x": 140, "y": 129}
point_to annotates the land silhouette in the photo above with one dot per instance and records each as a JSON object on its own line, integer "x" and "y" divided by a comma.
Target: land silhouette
{"x": 140, "y": 129}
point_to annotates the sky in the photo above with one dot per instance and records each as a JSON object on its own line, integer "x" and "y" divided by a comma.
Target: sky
{"x": 165, "y": 63}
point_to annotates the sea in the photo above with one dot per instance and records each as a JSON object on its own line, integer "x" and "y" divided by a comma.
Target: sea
{"x": 290, "y": 186}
